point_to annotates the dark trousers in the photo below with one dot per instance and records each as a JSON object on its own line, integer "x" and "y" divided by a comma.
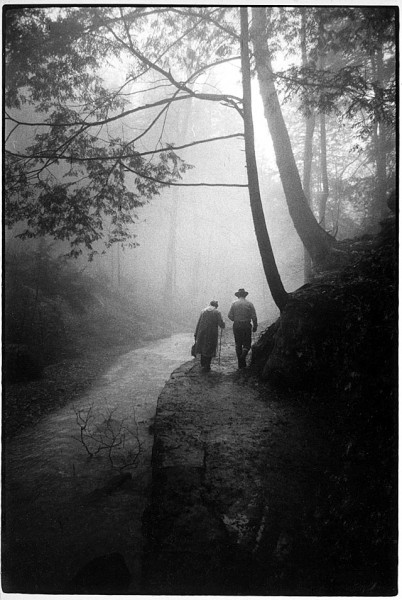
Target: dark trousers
{"x": 242, "y": 336}
{"x": 206, "y": 362}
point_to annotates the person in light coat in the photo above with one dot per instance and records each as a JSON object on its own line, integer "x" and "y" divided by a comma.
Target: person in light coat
{"x": 242, "y": 313}
{"x": 206, "y": 334}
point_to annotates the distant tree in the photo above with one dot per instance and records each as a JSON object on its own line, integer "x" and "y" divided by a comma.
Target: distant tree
{"x": 309, "y": 117}
{"x": 323, "y": 134}
{"x": 349, "y": 80}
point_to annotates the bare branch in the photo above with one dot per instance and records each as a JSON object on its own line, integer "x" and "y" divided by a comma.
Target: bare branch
{"x": 169, "y": 183}
{"x": 110, "y": 435}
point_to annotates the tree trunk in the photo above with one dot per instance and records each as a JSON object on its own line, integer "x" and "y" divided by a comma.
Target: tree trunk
{"x": 324, "y": 172}
{"x": 308, "y": 156}
{"x": 309, "y": 120}
{"x": 308, "y": 146}
{"x": 169, "y": 292}
{"x": 170, "y": 281}
{"x": 323, "y": 138}
{"x": 379, "y": 207}
{"x": 314, "y": 238}
{"x": 118, "y": 266}
{"x": 268, "y": 260}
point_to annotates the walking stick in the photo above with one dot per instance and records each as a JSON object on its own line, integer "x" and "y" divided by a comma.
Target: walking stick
{"x": 220, "y": 346}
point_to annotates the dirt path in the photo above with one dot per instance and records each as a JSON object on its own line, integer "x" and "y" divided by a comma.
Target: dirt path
{"x": 54, "y": 524}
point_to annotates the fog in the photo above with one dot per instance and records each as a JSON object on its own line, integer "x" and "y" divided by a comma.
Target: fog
{"x": 204, "y": 241}
{"x": 195, "y": 244}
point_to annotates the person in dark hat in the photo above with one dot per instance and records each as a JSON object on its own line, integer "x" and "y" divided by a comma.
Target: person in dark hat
{"x": 242, "y": 313}
{"x": 206, "y": 334}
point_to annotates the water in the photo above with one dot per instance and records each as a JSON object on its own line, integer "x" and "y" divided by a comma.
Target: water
{"x": 55, "y": 523}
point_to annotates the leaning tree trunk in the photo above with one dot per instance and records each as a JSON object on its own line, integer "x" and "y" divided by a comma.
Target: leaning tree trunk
{"x": 315, "y": 239}
{"x": 264, "y": 244}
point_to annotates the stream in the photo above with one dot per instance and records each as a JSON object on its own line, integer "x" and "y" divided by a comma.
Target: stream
{"x": 57, "y": 517}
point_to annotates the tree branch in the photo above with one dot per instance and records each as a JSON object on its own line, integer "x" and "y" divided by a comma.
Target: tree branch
{"x": 229, "y": 99}
{"x": 82, "y": 123}
{"x": 168, "y": 183}
{"x": 219, "y": 25}
{"x": 123, "y": 156}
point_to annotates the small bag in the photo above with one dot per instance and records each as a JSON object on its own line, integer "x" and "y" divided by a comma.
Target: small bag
{"x": 193, "y": 352}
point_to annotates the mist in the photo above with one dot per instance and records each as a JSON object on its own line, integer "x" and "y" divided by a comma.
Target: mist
{"x": 191, "y": 244}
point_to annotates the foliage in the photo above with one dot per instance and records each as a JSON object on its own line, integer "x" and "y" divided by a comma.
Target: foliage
{"x": 78, "y": 175}
{"x": 347, "y": 37}
{"x": 32, "y": 309}
{"x": 340, "y": 78}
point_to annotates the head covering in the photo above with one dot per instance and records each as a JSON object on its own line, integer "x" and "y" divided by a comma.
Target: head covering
{"x": 241, "y": 293}
{"x": 214, "y": 303}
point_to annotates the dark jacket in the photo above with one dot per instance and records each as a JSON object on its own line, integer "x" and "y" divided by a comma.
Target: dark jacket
{"x": 206, "y": 333}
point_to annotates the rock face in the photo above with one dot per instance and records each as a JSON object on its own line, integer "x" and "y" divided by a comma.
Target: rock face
{"x": 298, "y": 347}
{"x": 340, "y": 329}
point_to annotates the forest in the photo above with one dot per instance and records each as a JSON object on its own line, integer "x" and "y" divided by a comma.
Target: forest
{"x": 97, "y": 126}
{"x": 156, "y": 157}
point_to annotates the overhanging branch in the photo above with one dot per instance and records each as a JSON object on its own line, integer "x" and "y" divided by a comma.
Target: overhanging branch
{"x": 71, "y": 158}
{"x": 168, "y": 183}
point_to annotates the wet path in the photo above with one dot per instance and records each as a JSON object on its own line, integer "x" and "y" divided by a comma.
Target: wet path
{"x": 55, "y": 524}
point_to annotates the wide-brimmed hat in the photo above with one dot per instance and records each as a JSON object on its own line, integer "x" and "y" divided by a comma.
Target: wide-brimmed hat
{"x": 241, "y": 292}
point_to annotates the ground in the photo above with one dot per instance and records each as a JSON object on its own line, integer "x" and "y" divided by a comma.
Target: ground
{"x": 254, "y": 490}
